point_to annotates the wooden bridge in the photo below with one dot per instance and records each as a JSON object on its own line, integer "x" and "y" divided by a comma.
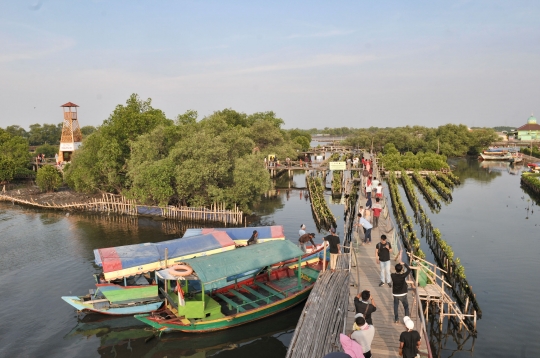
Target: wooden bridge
{"x": 324, "y": 318}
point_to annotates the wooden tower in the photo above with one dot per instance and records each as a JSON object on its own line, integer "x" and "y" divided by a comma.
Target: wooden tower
{"x": 71, "y": 132}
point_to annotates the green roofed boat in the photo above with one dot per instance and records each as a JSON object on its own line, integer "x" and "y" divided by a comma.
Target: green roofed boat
{"x": 215, "y": 307}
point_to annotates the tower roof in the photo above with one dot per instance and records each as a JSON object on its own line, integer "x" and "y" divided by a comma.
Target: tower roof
{"x": 69, "y": 104}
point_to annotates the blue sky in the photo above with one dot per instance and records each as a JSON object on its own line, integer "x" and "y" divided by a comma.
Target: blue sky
{"x": 315, "y": 63}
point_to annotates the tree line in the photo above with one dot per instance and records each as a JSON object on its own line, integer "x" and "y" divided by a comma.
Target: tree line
{"x": 142, "y": 154}
{"x": 451, "y": 140}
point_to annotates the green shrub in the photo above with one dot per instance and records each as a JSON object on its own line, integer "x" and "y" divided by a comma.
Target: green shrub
{"x": 48, "y": 178}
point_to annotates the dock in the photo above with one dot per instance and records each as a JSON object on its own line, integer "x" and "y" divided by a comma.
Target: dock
{"x": 363, "y": 275}
{"x": 367, "y": 272}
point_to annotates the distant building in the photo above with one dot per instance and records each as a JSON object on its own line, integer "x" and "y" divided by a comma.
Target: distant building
{"x": 529, "y": 131}
{"x": 503, "y": 137}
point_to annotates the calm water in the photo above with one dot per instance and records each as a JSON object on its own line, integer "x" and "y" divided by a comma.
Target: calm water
{"x": 45, "y": 255}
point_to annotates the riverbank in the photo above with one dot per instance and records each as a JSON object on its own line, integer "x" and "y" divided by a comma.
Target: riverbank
{"x": 64, "y": 196}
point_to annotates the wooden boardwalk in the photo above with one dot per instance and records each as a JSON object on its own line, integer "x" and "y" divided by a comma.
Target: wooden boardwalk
{"x": 386, "y": 340}
{"x": 367, "y": 271}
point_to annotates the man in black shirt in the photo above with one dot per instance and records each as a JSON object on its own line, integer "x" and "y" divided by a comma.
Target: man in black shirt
{"x": 366, "y": 306}
{"x": 333, "y": 241}
{"x": 399, "y": 291}
{"x": 409, "y": 341}
{"x": 382, "y": 253}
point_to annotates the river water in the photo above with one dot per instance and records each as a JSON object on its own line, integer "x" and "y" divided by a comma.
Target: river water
{"x": 45, "y": 255}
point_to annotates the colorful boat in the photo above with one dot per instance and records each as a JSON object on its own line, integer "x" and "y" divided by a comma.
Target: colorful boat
{"x": 132, "y": 261}
{"x": 497, "y": 156}
{"x": 241, "y": 235}
{"x": 118, "y": 300}
{"x": 264, "y": 294}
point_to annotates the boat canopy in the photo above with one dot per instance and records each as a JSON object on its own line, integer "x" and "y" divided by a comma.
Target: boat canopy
{"x": 212, "y": 269}
{"x": 242, "y": 233}
{"x": 129, "y": 260}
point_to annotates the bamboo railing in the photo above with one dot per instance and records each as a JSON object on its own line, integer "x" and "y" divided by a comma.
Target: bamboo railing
{"x": 117, "y": 204}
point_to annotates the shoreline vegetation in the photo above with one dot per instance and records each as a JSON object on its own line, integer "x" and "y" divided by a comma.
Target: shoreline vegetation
{"x": 144, "y": 156}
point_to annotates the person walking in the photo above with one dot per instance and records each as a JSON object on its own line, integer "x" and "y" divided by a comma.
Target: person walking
{"x": 364, "y": 335}
{"x": 364, "y": 304}
{"x": 409, "y": 341}
{"x": 379, "y": 190}
{"x": 377, "y": 208}
{"x": 368, "y": 190}
{"x": 399, "y": 291}
{"x": 333, "y": 241}
{"x": 304, "y": 239}
{"x": 382, "y": 253}
{"x": 367, "y": 228}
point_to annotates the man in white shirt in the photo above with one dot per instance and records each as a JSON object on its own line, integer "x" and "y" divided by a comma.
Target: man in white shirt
{"x": 302, "y": 230}
{"x": 375, "y": 183}
{"x": 364, "y": 335}
{"x": 367, "y": 228}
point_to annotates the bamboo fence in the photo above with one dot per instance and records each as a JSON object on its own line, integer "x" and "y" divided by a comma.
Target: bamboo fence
{"x": 117, "y": 204}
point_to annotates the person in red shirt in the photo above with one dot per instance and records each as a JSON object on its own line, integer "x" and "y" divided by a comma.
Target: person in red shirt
{"x": 377, "y": 208}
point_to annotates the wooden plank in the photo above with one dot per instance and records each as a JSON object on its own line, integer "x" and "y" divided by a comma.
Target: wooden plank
{"x": 230, "y": 302}
{"x": 245, "y": 299}
{"x": 257, "y": 294}
{"x": 270, "y": 290}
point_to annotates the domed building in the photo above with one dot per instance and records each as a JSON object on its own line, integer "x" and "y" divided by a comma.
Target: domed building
{"x": 529, "y": 131}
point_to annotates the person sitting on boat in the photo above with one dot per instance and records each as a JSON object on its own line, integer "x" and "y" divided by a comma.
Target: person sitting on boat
{"x": 102, "y": 278}
{"x": 302, "y": 241}
{"x": 254, "y": 238}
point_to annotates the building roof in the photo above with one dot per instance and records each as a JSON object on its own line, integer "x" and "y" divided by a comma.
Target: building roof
{"x": 529, "y": 127}
{"x": 69, "y": 104}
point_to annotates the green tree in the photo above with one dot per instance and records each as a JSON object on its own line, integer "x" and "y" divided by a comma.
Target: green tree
{"x": 101, "y": 162}
{"x": 17, "y": 131}
{"x": 87, "y": 130}
{"x": 14, "y": 156}
{"x": 303, "y": 142}
{"x": 48, "y": 150}
{"x": 48, "y": 178}
{"x": 188, "y": 118}
{"x": 44, "y": 134}
{"x": 7, "y": 169}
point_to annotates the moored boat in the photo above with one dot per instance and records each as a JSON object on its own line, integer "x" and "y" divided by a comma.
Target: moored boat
{"x": 241, "y": 235}
{"x": 497, "y": 156}
{"x": 130, "y": 262}
{"x": 264, "y": 294}
{"x": 118, "y": 300}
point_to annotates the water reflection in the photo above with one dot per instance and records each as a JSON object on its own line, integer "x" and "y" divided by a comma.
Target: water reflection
{"x": 122, "y": 337}
{"x": 467, "y": 168}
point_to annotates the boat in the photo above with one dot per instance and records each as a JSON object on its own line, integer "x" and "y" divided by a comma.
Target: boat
{"x": 497, "y": 156}
{"x": 130, "y": 262}
{"x": 118, "y": 296}
{"x": 126, "y": 261}
{"x": 241, "y": 235}
{"x": 502, "y": 150}
{"x": 118, "y": 300}
{"x": 264, "y": 294}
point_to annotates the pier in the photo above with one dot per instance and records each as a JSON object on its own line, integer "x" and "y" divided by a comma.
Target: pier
{"x": 323, "y": 319}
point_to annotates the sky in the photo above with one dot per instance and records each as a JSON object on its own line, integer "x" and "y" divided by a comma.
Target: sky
{"x": 314, "y": 63}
